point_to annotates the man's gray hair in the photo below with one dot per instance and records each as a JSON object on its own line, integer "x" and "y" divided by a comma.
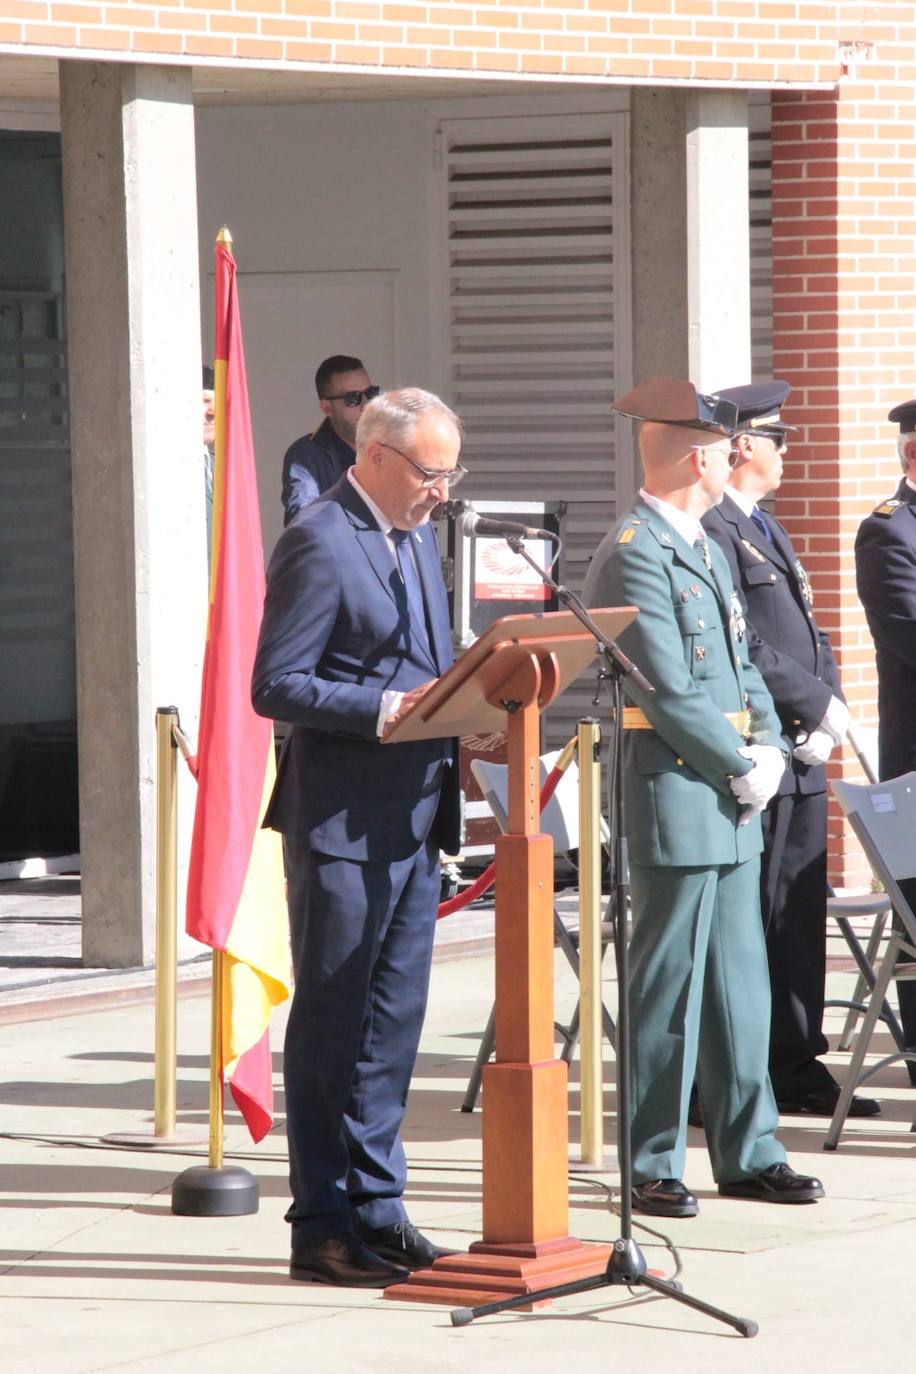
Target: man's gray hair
{"x": 394, "y": 415}
{"x": 902, "y": 441}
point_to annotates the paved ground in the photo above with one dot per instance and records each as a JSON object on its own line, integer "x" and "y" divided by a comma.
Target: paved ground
{"x": 98, "y": 1275}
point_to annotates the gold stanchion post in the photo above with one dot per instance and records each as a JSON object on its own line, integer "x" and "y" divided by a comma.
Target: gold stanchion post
{"x": 165, "y": 1130}
{"x": 590, "y": 1000}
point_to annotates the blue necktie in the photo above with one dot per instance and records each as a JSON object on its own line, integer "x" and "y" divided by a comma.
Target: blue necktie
{"x": 412, "y": 587}
{"x": 760, "y": 521}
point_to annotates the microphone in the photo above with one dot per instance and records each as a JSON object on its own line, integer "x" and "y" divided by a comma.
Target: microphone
{"x": 469, "y": 522}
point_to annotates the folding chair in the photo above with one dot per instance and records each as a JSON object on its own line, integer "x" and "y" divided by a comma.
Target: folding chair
{"x": 560, "y": 820}
{"x": 882, "y": 815}
{"x": 858, "y": 906}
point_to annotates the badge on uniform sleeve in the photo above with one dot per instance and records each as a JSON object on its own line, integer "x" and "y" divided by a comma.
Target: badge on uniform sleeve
{"x": 804, "y": 582}
{"x": 887, "y": 508}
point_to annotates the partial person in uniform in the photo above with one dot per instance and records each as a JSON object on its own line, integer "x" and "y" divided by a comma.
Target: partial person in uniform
{"x": 316, "y": 461}
{"x": 886, "y": 583}
{"x": 702, "y": 757}
{"x": 794, "y": 658}
{"x": 356, "y": 629}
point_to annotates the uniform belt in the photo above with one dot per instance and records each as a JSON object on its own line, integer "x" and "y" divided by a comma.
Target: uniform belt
{"x": 635, "y": 719}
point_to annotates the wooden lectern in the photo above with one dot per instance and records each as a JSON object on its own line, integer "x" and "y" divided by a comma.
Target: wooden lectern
{"x": 504, "y": 680}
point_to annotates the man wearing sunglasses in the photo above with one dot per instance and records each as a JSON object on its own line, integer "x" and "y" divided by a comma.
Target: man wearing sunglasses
{"x": 702, "y": 757}
{"x": 356, "y": 629}
{"x": 794, "y": 658}
{"x": 316, "y": 461}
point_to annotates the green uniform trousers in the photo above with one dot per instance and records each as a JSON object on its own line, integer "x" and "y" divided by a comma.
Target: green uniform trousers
{"x": 700, "y": 1004}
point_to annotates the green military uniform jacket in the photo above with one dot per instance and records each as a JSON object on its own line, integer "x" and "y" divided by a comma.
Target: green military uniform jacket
{"x": 689, "y": 641}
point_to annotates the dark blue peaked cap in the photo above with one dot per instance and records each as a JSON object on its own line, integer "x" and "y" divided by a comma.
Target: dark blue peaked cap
{"x": 758, "y": 405}
{"x": 905, "y": 416}
{"x": 674, "y": 401}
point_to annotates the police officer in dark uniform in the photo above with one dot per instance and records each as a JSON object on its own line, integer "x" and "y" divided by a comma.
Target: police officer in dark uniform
{"x": 886, "y": 583}
{"x": 795, "y": 661}
{"x": 702, "y": 757}
{"x": 315, "y": 462}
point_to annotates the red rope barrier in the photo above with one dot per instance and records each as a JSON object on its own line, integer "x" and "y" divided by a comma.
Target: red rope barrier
{"x": 482, "y": 884}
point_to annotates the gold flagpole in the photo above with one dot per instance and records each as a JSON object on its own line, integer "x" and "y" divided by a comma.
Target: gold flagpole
{"x": 216, "y": 1063}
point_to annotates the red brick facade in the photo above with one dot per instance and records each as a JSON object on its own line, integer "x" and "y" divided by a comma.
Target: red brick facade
{"x": 721, "y": 41}
{"x": 844, "y": 316}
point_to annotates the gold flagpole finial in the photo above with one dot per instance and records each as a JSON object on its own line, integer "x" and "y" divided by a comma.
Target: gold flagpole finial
{"x": 224, "y": 237}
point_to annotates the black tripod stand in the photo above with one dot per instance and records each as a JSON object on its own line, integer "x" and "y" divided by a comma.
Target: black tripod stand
{"x": 626, "y": 1264}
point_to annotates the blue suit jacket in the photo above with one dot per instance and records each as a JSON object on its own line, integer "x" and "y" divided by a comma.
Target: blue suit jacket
{"x": 336, "y": 633}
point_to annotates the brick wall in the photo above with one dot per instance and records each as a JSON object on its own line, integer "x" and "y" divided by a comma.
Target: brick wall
{"x": 844, "y": 312}
{"x": 662, "y": 40}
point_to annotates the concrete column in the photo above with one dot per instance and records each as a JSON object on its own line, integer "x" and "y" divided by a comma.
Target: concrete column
{"x": 691, "y": 237}
{"x": 130, "y": 221}
{"x": 718, "y": 240}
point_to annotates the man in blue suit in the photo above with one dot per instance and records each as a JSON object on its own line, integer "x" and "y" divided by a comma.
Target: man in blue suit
{"x": 355, "y": 631}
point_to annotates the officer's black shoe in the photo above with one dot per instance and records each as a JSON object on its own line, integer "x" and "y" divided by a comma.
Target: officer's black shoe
{"x": 664, "y": 1197}
{"x": 779, "y": 1183}
{"x": 403, "y": 1244}
{"x": 823, "y": 1103}
{"x": 345, "y": 1262}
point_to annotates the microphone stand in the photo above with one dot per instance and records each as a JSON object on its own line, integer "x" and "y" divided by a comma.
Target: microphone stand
{"x": 626, "y": 1266}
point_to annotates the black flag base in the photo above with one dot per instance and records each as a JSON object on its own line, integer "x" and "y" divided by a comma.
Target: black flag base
{"x": 205, "y": 1192}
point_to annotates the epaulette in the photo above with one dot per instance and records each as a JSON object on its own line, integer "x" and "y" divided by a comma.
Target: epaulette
{"x": 887, "y": 508}
{"x": 628, "y": 531}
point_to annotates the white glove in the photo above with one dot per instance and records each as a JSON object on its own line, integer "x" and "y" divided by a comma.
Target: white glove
{"x": 747, "y": 813}
{"x": 836, "y": 721}
{"x": 759, "y": 785}
{"x": 815, "y": 748}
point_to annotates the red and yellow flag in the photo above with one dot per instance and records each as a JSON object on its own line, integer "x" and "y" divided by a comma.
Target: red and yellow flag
{"x": 236, "y": 897}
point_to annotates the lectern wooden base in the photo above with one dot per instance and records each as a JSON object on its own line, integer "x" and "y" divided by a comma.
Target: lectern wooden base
{"x": 490, "y": 1272}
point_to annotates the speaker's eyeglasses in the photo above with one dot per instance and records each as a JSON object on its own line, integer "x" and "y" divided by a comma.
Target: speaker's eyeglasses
{"x": 432, "y": 477}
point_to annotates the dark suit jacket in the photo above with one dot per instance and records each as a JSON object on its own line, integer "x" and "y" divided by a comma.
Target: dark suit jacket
{"x": 886, "y": 583}
{"x": 311, "y": 466}
{"x": 792, "y": 655}
{"x": 336, "y": 633}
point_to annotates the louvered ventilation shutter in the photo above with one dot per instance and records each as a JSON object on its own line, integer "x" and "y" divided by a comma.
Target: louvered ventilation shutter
{"x": 534, "y": 207}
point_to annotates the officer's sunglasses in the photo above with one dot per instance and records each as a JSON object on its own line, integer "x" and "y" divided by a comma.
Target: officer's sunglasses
{"x": 355, "y": 398}
{"x": 431, "y": 476}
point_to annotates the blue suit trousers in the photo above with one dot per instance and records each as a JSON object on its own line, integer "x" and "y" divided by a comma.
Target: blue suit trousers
{"x": 362, "y": 936}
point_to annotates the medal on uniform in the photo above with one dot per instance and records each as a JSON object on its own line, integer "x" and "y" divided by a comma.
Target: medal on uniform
{"x": 804, "y": 582}
{"x": 737, "y": 622}
{"x": 756, "y": 552}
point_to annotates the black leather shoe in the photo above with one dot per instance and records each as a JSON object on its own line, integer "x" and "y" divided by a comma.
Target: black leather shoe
{"x": 823, "y": 1103}
{"x": 344, "y": 1261}
{"x": 664, "y": 1197}
{"x": 404, "y": 1245}
{"x": 779, "y": 1183}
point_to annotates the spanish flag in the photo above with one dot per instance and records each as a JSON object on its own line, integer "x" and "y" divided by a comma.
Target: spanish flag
{"x": 236, "y": 901}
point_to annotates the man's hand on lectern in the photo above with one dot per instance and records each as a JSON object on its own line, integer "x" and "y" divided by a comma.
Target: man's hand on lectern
{"x": 406, "y": 704}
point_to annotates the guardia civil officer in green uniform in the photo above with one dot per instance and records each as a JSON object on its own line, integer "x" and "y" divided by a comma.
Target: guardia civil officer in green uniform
{"x": 702, "y": 757}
